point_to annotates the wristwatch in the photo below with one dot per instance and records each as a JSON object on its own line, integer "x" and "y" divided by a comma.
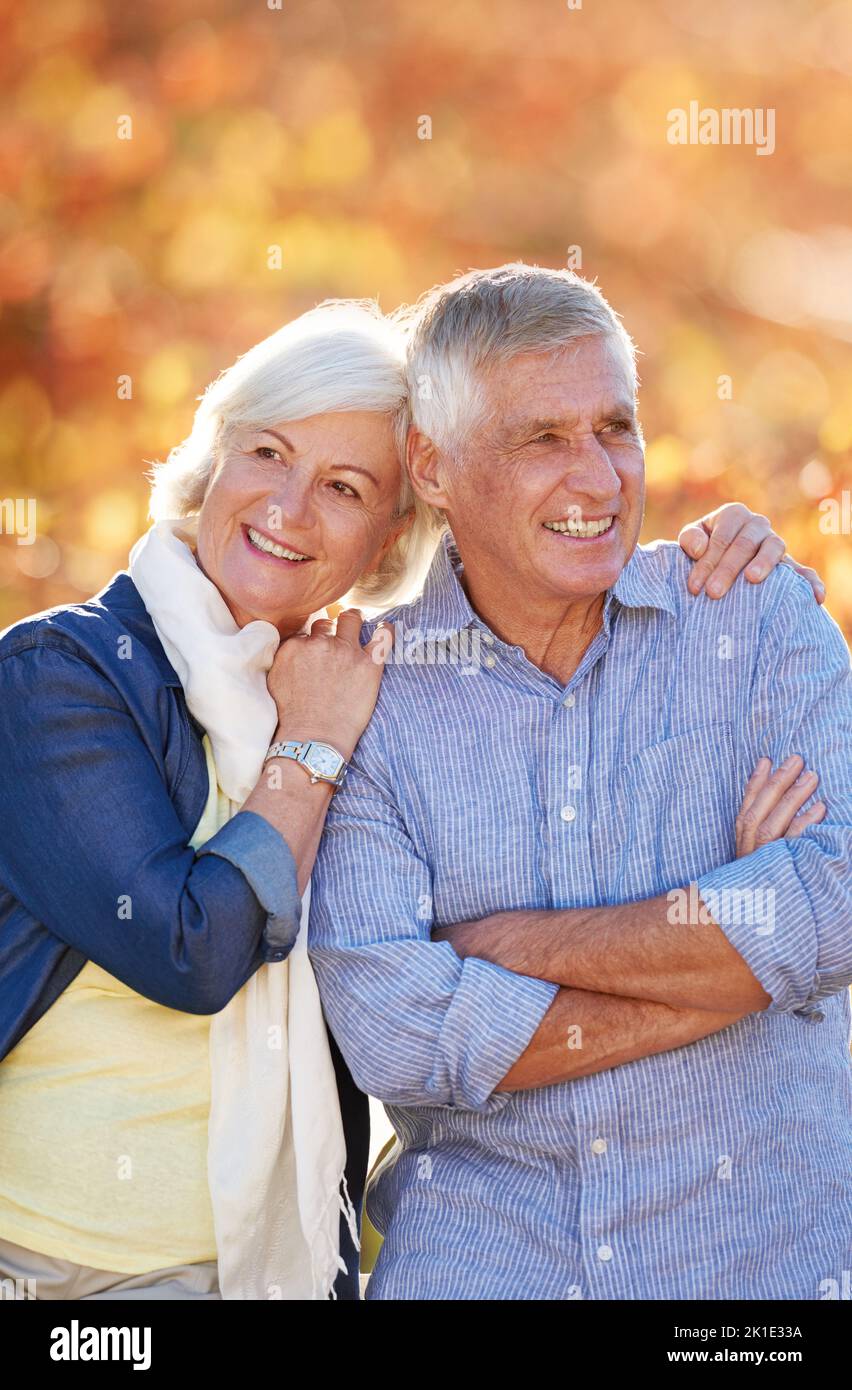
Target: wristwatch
{"x": 321, "y": 762}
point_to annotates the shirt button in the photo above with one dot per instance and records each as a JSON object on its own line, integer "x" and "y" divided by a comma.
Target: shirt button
{"x": 604, "y": 1252}
{"x": 487, "y": 639}
{"x": 816, "y": 1017}
{"x": 490, "y": 660}
{"x": 570, "y": 701}
{"x": 568, "y": 813}
{"x": 598, "y": 1146}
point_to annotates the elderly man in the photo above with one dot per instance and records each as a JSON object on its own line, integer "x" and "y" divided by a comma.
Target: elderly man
{"x": 615, "y": 1054}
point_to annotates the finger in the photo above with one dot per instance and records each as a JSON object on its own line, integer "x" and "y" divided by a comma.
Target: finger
{"x": 723, "y": 525}
{"x": 756, "y": 782}
{"x": 745, "y": 830}
{"x": 737, "y": 555}
{"x": 693, "y": 539}
{"x": 783, "y": 777}
{"x": 770, "y": 554}
{"x": 748, "y": 817}
{"x": 380, "y": 644}
{"x": 777, "y": 822}
{"x": 773, "y": 788}
{"x": 322, "y": 627}
{"x": 804, "y": 819}
{"x": 810, "y": 576}
{"x": 349, "y": 625}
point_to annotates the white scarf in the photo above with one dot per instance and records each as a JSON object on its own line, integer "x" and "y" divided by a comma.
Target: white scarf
{"x": 276, "y": 1148}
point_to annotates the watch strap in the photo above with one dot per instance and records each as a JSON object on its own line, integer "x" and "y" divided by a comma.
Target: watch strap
{"x": 299, "y": 751}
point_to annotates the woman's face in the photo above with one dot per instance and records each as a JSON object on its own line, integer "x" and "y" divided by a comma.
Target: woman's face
{"x": 322, "y": 492}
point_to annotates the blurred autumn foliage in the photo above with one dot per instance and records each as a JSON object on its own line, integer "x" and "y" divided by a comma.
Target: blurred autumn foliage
{"x": 133, "y": 269}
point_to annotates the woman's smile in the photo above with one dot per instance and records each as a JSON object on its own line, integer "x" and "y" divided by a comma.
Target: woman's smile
{"x": 263, "y": 545}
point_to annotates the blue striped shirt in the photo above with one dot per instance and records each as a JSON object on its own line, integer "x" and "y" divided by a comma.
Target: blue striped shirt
{"x": 718, "y": 1170}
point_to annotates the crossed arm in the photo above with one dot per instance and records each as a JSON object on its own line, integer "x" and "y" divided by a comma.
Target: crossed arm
{"x": 527, "y": 999}
{"x": 658, "y": 982}
{"x": 615, "y": 965}
{"x": 632, "y": 985}
{"x": 523, "y": 999}
{"x": 584, "y": 1032}
{"x": 629, "y": 949}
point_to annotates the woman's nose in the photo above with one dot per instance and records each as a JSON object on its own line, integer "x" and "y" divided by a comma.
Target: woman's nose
{"x": 291, "y": 502}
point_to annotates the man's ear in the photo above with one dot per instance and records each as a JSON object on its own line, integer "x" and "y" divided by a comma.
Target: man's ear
{"x": 426, "y": 469}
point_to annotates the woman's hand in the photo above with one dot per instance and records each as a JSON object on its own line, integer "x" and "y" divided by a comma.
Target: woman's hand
{"x": 325, "y": 684}
{"x": 732, "y": 539}
{"x": 772, "y": 804}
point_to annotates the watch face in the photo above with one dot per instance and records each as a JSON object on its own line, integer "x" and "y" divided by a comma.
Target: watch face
{"x": 323, "y": 760}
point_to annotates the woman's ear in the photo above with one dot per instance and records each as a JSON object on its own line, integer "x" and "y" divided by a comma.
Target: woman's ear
{"x": 397, "y": 529}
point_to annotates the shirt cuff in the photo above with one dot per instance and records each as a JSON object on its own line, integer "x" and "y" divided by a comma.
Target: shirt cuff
{"x": 490, "y": 1022}
{"x": 264, "y": 859}
{"x": 766, "y": 914}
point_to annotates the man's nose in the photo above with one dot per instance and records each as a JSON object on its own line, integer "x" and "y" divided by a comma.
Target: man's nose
{"x": 591, "y": 472}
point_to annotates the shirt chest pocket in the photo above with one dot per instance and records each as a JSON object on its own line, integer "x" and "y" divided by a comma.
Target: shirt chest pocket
{"x": 675, "y": 805}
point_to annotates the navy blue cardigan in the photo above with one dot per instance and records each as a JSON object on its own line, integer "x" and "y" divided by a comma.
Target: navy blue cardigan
{"x": 103, "y": 780}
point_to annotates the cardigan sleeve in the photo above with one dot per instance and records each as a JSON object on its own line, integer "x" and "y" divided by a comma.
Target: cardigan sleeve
{"x": 93, "y": 848}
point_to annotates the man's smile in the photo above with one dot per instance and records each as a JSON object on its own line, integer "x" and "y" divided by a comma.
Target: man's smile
{"x": 581, "y": 528}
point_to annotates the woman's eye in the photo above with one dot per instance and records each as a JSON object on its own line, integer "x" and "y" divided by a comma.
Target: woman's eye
{"x": 344, "y": 489}
{"x": 265, "y": 451}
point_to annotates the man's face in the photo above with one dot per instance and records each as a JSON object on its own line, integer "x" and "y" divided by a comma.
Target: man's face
{"x": 546, "y": 499}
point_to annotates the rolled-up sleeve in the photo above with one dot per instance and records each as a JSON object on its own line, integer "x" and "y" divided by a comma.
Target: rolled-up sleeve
{"x": 787, "y": 908}
{"x": 264, "y": 859}
{"x": 416, "y": 1025}
{"x": 93, "y": 848}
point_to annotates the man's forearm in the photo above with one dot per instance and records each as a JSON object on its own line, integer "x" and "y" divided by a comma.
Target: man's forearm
{"x": 583, "y": 1033}
{"x": 631, "y": 949}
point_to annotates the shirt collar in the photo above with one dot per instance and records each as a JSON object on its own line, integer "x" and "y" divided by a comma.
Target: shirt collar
{"x": 444, "y": 608}
{"x": 644, "y": 581}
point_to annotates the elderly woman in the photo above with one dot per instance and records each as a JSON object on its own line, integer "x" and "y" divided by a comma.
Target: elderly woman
{"x": 169, "y": 751}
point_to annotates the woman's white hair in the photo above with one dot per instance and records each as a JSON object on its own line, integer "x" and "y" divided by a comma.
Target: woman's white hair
{"x": 425, "y": 363}
{"x": 342, "y": 355}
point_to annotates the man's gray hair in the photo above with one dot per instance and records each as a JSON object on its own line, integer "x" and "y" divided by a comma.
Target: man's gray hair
{"x": 457, "y": 330}
{"x": 343, "y": 355}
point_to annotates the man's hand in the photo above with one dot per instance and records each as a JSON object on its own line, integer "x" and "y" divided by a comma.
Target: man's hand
{"x": 772, "y": 804}
{"x": 732, "y": 539}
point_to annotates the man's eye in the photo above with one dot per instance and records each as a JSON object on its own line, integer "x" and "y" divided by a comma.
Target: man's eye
{"x": 619, "y": 426}
{"x": 544, "y": 438}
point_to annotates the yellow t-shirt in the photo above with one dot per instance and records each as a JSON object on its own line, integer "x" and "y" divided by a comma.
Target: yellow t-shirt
{"x": 103, "y": 1122}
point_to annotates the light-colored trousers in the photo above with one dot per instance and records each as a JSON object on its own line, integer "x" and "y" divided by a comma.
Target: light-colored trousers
{"x": 26, "y": 1274}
